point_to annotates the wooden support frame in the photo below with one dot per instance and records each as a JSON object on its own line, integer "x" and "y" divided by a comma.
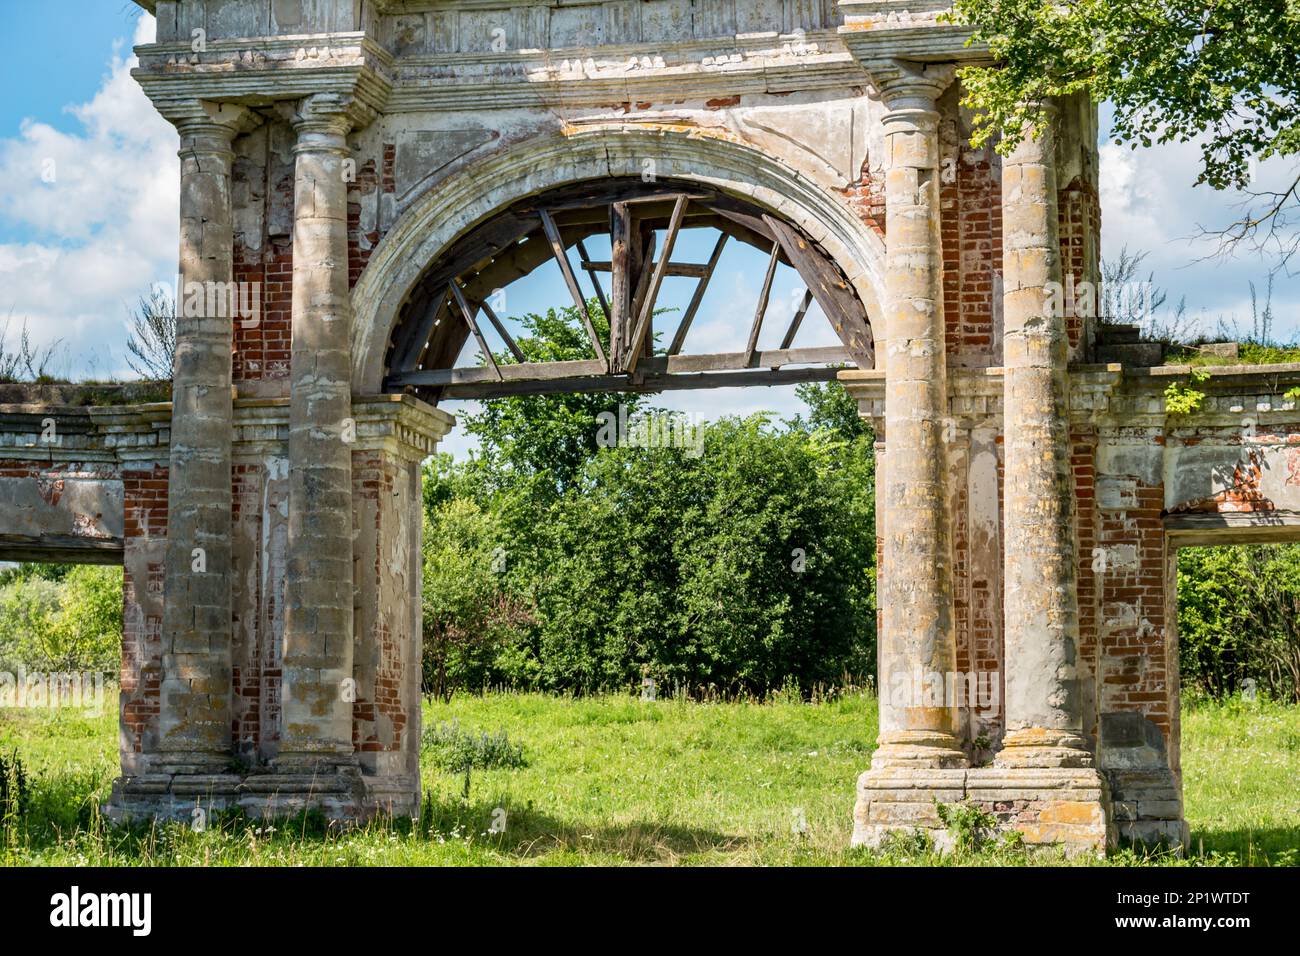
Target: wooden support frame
{"x": 501, "y": 331}
{"x": 410, "y": 350}
{"x": 832, "y": 292}
{"x": 591, "y": 270}
{"x": 571, "y": 280}
{"x": 531, "y": 232}
{"x": 686, "y": 270}
{"x": 472, "y": 383}
{"x": 468, "y": 313}
{"x": 659, "y": 365}
{"x": 764, "y": 295}
{"x": 680, "y": 337}
{"x": 797, "y": 321}
{"x": 638, "y": 339}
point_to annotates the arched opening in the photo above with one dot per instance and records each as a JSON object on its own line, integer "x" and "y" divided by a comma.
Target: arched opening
{"x": 627, "y": 241}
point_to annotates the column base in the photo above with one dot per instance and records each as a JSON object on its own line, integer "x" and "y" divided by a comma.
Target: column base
{"x": 1149, "y": 807}
{"x": 344, "y": 795}
{"x": 1042, "y": 748}
{"x": 1066, "y": 808}
{"x": 192, "y": 763}
{"x": 307, "y": 763}
{"x": 919, "y": 749}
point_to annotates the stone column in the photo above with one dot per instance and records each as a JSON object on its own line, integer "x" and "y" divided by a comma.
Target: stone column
{"x": 195, "y": 708}
{"x": 918, "y": 640}
{"x": 1043, "y": 702}
{"x": 317, "y": 689}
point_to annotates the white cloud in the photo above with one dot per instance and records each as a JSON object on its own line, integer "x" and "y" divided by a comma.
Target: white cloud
{"x": 102, "y": 232}
{"x": 1150, "y": 203}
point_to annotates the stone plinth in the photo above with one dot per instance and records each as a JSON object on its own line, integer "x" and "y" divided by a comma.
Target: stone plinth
{"x": 1068, "y": 808}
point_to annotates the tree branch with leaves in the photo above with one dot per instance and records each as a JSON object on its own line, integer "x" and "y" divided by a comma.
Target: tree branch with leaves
{"x": 1221, "y": 73}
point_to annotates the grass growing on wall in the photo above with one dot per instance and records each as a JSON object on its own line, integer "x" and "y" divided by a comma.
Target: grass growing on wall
{"x": 612, "y": 780}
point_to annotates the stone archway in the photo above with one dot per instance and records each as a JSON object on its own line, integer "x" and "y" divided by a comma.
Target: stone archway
{"x": 424, "y": 233}
{"x": 271, "y": 654}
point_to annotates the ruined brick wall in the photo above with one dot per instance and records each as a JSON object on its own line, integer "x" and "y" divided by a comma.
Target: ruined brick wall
{"x": 971, "y": 197}
{"x": 386, "y": 711}
{"x": 262, "y": 182}
{"x": 866, "y": 195}
{"x": 145, "y": 500}
{"x": 248, "y": 636}
{"x": 1083, "y": 465}
{"x": 1079, "y": 205}
{"x": 370, "y": 208}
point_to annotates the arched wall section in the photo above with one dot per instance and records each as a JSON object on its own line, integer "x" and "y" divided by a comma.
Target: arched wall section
{"x": 453, "y": 206}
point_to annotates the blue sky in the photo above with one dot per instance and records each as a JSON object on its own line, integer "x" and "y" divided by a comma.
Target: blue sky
{"x": 76, "y": 252}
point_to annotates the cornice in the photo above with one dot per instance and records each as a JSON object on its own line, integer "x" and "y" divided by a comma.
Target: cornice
{"x": 1115, "y": 396}
{"x": 876, "y": 30}
{"x": 726, "y": 66}
{"x": 262, "y": 71}
{"x": 135, "y": 434}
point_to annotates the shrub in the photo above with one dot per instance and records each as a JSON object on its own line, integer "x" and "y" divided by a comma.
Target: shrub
{"x": 1239, "y": 619}
{"x": 14, "y": 792}
{"x": 971, "y": 826}
{"x": 69, "y": 621}
{"x": 742, "y": 567}
{"x": 457, "y": 751}
{"x": 470, "y": 616}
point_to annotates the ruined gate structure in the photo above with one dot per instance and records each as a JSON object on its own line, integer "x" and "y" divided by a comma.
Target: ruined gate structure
{"x": 374, "y": 170}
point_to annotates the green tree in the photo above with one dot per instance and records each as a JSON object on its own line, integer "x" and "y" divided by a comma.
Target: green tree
{"x": 470, "y": 616}
{"x": 830, "y": 406}
{"x": 739, "y": 568}
{"x": 1225, "y": 73}
{"x": 54, "y": 619}
{"x": 1239, "y": 619}
{"x": 541, "y": 442}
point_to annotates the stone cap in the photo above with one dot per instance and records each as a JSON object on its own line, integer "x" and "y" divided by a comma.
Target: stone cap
{"x": 907, "y": 30}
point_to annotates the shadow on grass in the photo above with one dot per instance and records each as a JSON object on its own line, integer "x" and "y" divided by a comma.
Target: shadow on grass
{"x": 63, "y": 816}
{"x": 530, "y": 834}
{"x": 1265, "y": 846}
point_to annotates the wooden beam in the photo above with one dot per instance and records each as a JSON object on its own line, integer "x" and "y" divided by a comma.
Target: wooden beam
{"x": 589, "y": 266}
{"x": 628, "y": 383}
{"x": 698, "y": 297}
{"x": 62, "y": 549}
{"x": 689, "y": 270}
{"x": 501, "y": 331}
{"x": 417, "y": 338}
{"x": 645, "y": 269}
{"x": 523, "y": 372}
{"x": 562, "y": 258}
{"x": 763, "y": 296}
{"x": 658, "y": 365}
{"x": 838, "y": 300}
{"x": 638, "y": 339}
{"x": 791, "y": 332}
{"x": 622, "y": 283}
{"x": 726, "y": 361}
{"x": 468, "y": 313}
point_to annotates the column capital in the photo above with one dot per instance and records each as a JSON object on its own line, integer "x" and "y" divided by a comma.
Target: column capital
{"x": 326, "y": 118}
{"x": 206, "y": 126}
{"x": 909, "y": 86}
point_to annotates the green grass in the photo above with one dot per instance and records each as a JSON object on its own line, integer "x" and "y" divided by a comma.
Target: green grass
{"x": 613, "y": 780}
{"x": 1248, "y": 353}
{"x": 1241, "y": 779}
